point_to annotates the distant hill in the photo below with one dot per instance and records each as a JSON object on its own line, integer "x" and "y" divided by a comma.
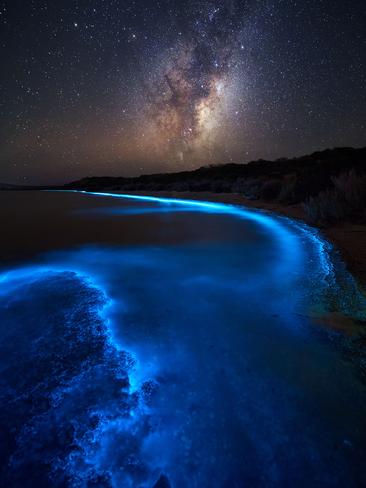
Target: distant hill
{"x": 308, "y": 175}
{"x": 6, "y": 186}
{"x": 331, "y": 184}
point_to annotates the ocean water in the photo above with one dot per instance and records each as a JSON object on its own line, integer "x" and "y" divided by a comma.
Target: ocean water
{"x": 152, "y": 343}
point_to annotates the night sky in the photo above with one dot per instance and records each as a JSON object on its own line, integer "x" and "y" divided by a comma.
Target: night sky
{"x": 128, "y": 87}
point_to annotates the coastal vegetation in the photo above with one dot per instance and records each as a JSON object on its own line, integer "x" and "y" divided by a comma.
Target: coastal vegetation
{"x": 330, "y": 185}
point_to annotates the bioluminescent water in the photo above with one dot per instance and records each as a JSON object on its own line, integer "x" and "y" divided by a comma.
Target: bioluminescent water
{"x": 151, "y": 342}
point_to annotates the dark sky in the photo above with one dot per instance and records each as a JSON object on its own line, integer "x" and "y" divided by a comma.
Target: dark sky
{"x": 114, "y": 87}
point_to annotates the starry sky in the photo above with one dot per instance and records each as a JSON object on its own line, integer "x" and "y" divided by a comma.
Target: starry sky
{"x": 123, "y": 87}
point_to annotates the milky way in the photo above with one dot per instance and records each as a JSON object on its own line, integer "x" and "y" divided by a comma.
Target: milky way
{"x": 124, "y": 88}
{"x": 189, "y": 99}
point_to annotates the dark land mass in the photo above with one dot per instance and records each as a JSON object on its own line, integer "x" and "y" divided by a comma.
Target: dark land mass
{"x": 9, "y": 187}
{"x": 288, "y": 181}
{"x": 326, "y": 189}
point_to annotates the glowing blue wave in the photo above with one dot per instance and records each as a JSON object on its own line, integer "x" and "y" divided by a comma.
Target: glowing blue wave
{"x": 292, "y": 236}
{"x": 106, "y": 368}
{"x": 282, "y": 228}
{"x": 252, "y": 394}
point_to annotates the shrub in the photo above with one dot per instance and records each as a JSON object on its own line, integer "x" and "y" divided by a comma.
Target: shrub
{"x": 270, "y": 189}
{"x": 239, "y": 185}
{"x": 351, "y": 188}
{"x": 287, "y": 192}
{"x": 324, "y": 208}
{"x": 183, "y": 186}
{"x": 249, "y": 187}
{"x": 347, "y": 197}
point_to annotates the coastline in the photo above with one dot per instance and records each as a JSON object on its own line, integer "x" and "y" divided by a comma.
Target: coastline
{"x": 347, "y": 238}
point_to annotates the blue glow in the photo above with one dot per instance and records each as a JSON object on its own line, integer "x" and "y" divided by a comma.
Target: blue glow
{"x": 19, "y": 282}
{"x": 196, "y": 362}
{"x": 287, "y": 239}
{"x": 291, "y": 235}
